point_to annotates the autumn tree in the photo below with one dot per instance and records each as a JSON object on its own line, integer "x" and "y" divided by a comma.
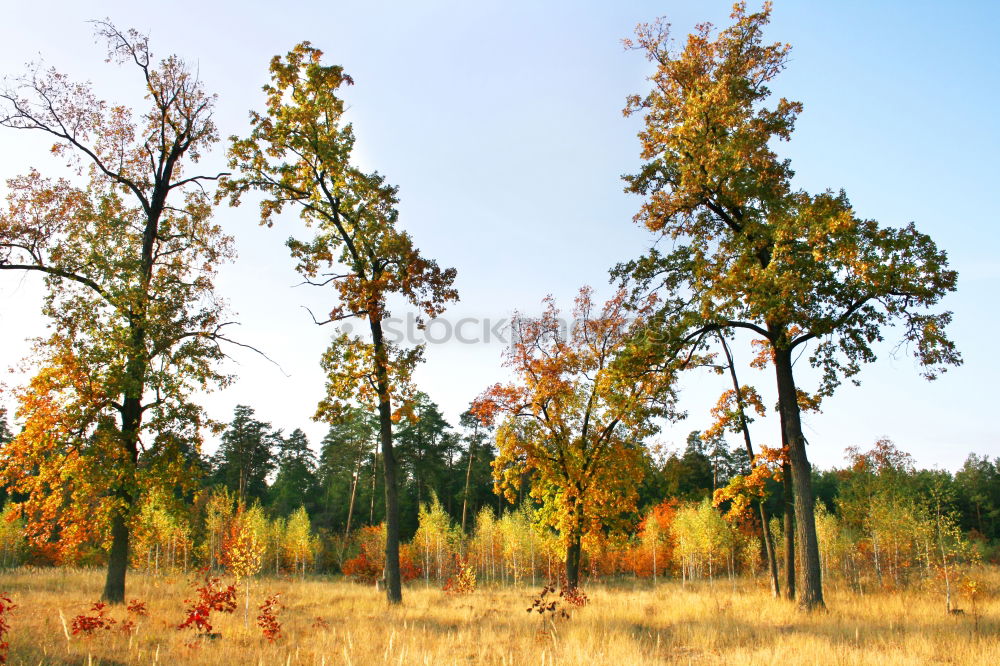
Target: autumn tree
{"x": 298, "y": 154}
{"x": 749, "y": 252}
{"x": 243, "y": 548}
{"x": 731, "y": 414}
{"x": 128, "y": 252}
{"x": 5, "y": 436}
{"x": 576, "y": 417}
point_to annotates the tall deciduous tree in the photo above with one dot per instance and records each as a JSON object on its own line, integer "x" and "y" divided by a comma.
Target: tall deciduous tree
{"x": 750, "y": 253}
{"x": 576, "y": 417}
{"x": 298, "y": 153}
{"x": 129, "y": 254}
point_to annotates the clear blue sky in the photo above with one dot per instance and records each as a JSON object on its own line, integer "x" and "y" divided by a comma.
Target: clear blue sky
{"x": 501, "y": 122}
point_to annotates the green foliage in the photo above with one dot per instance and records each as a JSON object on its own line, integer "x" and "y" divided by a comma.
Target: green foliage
{"x": 295, "y": 484}
{"x": 245, "y": 456}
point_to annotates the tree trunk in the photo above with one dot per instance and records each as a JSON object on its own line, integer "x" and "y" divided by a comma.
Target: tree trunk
{"x": 573, "y": 562}
{"x": 114, "y": 583}
{"x": 371, "y": 516}
{"x": 789, "y": 530}
{"x": 350, "y": 508}
{"x": 811, "y": 594}
{"x": 468, "y": 475}
{"x": 393, "y": 585}
{"x": 574, "y": 549}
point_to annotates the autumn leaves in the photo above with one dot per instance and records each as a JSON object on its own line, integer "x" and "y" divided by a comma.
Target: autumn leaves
{"x": 130, "y": 253}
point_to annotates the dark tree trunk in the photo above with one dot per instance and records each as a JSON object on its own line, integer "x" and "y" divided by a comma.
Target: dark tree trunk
{"x": 393, "y": 585}
{"x": 573, "y": 552}
{"x": 811, "y": 592}
{"x": 772, "y": 560}
{"x": 114, "y": 583}
{"x": 574, "y": 549}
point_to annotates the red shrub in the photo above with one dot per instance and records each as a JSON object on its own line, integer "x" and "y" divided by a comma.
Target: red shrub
{"x": 268, "y": 618}
{"x": 88, "y": 624}
{"x": 137, "y": 608}
{"x": 211, "y": 597}
{"x": 6, "y": 606}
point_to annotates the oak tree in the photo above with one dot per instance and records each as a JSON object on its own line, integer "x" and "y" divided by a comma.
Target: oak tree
{"x": 299, "y": 154}
{"x": 129, "y": 252}
{"x": 576, "y": 417}
{"x": 749, "y": 252}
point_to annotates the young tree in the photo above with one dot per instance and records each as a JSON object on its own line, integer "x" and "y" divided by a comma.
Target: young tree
{"x": 129, "y": 254}
{"x": 576, "y": 418}
{"x": 298, "y": 153}
{"x": 750, "y": 253}
{"x": 299, "y": 544}
{"x": 243, "y": 549}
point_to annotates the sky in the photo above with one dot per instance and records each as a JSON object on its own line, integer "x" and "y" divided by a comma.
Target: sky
{"x": 501, "y": 123}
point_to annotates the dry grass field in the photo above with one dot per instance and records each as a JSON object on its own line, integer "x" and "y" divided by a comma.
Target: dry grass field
{"x": 629, "y": 623}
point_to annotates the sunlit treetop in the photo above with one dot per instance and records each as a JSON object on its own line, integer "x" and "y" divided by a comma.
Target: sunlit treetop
{"x": 749, "y": 251}
{"x": 299, "y": 152}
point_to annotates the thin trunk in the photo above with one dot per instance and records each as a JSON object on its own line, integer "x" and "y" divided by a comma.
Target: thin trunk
{"x": 772, "y": 560}
{"x": 350, "y": 507}
{"x": 468, "y": 475}
{"x": 371, "y": 516}
{"x": 811, "y": 594}
{"x": 944, "y": 559}
{"x": 393, "y": 585}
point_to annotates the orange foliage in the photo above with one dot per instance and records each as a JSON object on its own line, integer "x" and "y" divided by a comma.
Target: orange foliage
{"x": 742, "y": 490}
{"x": 369, "y": 564}
{"x": 577, "y": 413}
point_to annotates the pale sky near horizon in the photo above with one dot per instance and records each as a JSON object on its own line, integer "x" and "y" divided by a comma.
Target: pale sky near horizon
{"x": 501, "y": 122}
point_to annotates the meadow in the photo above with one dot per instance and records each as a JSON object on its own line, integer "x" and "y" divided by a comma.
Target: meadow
{"x": 333, "y": 621}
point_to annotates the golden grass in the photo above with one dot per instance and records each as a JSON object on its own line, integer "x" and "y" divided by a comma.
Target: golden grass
{"x": 630, "y": 623}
